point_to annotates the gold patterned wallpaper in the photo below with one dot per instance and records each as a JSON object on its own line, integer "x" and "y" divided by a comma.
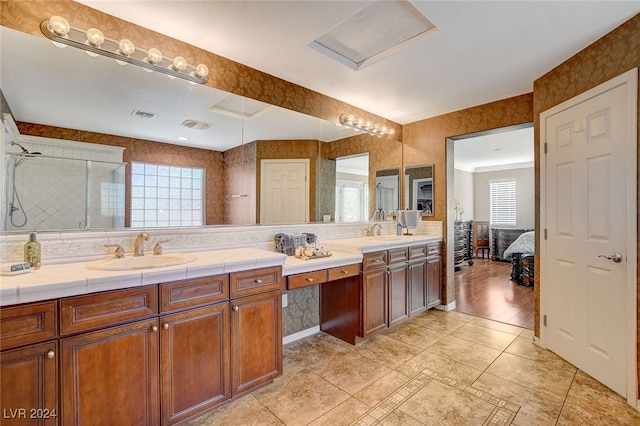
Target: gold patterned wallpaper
{"x": 608, "y": 57}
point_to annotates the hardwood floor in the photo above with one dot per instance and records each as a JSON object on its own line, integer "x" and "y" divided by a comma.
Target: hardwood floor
{"x": 485, "y": 290}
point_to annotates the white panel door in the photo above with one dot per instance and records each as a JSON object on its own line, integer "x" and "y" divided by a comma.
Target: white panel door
{"x": 586, "y": 216}
{"x": 284, "y": 191}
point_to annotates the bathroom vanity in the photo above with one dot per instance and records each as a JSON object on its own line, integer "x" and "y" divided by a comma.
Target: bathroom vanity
{"x": 164, "y": 345}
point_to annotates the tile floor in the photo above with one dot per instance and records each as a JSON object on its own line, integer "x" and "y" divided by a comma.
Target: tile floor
{"x": 439, "y": 368}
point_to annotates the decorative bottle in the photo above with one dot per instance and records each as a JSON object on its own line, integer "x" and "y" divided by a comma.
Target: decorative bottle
{"x": 32, "y": 251}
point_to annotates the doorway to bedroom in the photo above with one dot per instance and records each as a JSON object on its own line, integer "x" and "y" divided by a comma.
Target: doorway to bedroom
{"x": 494, "y": 211}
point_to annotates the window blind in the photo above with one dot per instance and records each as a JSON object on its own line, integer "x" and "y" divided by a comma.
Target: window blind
{"x": 502, "y": 195}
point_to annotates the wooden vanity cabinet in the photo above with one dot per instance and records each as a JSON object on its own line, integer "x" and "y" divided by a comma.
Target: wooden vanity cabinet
{"x": 256, "y": 341}
{"x": 29, "y": 374}
{"x": 398, "y": 301}
{"x": 195, "y": 373}
{"x": 374, "y": 293}
{"x": 110, "y": 375}
{"x": 417, "y": 279}
{"x": 434, "y": 274}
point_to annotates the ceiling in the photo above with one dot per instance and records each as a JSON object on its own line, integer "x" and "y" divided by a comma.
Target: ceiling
{"x": 481, "y": 52}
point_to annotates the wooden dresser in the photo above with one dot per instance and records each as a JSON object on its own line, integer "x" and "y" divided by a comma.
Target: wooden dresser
{"x": 501, "y": 240}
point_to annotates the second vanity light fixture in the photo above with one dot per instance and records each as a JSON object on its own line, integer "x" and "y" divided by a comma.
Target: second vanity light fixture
{"x": 375, "y": 129}
{"x": 93, "y": 41}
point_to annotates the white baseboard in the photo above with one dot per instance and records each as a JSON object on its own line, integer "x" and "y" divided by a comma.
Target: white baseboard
{"x": 301, "y": 334}
{"x": 449, "y": 307}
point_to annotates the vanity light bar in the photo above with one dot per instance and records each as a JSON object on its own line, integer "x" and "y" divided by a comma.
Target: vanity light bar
{"x": 58, "y": 30}
{"x": 374, "y": 129}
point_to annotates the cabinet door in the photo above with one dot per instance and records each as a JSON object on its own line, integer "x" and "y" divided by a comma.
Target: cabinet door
{"x": 29, "y": 385}
{"x": 194, "y": 361}
{"x": 434, "y": 280}
{"x": 398, "y": 293}
{"x": 417, "y": 286}
{"x": 110, "y": 377}
{"x": 374, "y": 301}
{"x": 256, "y": 341}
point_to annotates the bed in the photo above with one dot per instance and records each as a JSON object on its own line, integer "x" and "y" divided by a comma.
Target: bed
{"x": 521, "y": 252}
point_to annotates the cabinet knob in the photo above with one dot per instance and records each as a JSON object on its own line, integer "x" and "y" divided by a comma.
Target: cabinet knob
{"x": 51, "y": 354}
{"x": 236, "y": 308}
{"x": 258, "y": 281}
{"x": 165, "y": 326}
{"x": 310, "y": 279}
{"x": 154, "y": 328}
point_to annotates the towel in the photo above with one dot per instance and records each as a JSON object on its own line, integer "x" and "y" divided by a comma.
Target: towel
{"x": 410, "y": 218}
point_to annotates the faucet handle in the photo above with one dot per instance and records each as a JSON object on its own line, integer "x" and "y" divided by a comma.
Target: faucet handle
{"x": 119, "y": 250}
{"x": 157, "y": 248}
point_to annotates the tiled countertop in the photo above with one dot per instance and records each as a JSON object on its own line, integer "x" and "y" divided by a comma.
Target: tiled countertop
{"x": 70, "y": 279}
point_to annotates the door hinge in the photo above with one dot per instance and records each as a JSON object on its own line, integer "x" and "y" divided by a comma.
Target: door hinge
{"x": 545, "y": 147}
{"x": 544, "y": 320}
{"x": 545, "y": 234}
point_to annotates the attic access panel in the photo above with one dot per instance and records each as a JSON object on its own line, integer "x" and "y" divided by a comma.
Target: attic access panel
{"x": 375, "y": 32}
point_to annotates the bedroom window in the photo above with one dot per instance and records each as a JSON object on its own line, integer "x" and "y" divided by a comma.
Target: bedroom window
{"x": 502, "y": 202}
{"x": 166, "y": 196}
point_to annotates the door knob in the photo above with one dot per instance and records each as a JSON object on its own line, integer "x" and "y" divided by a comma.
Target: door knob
{"x": 616, "y": 257}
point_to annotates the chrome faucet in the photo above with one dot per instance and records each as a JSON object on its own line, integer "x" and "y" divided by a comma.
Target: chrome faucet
{"x": 373, "y": 231}
{"x": 138, "y": 248}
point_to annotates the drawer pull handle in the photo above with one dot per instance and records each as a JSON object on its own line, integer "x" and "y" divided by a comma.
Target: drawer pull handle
{"x": 258, "y": 281}
{"x": 236, "y": 308}
{"x": 154, "y": 328}
{"x": 310, "y": 279}
{"x": 51, "y": 354}
{"x": 345, "y": 272}
{"x": 165, "y": 326}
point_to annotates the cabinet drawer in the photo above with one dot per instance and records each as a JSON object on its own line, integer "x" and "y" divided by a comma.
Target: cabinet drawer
{"x": 306, "y": 279}
{"x": 398, "y": 255}
{"x": 416, "y": 252}
{"x": 246, "y": 283}
{"x": 193, "y": 292}
{"x": 22, "y": 325}
{"x": 433, "y": 248}
{"x": 82, "y": 313}
{"x": 343, "y": 272}
{"x": 374, "y": 260}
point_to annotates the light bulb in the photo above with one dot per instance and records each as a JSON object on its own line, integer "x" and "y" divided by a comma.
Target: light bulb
{"x": 154, "y": 56}
{"x": 201, "y": 71}
{"x": 126, "y": 47}
{"x": 59, "y": 25}
{"x": 384, "y": 130}
{"x": 179, "y": 63}
{"x": 95, "y": 37}
{"x": 391, "y": 132}
{"x": 359, "y": 122}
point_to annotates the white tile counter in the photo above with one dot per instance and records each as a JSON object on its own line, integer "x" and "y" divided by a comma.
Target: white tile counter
{"x": 71, "y": 279}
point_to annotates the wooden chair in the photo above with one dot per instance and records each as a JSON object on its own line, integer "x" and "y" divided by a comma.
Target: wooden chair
{"x": 481, "y": 238}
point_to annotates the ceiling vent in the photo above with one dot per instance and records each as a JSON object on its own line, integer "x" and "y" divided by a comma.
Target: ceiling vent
{"x": 196, "y": 124}
{"x": 142, "y": 114}
{"x": 377, "y": 31}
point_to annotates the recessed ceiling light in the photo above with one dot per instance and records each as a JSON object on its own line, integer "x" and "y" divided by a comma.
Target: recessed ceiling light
{"x": 182, "y": 138}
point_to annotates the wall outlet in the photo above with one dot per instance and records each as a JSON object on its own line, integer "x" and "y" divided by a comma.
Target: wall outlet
{"x": 285, "y": 300}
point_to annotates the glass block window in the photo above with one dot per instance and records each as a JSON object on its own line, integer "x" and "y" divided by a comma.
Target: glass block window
{"x": 166, "y": 196}
{"x": 502, "y": 204}
{"x": 111, "y": 199}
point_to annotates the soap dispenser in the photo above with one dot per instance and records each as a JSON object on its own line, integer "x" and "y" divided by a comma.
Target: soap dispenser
{"x": 32, "y": 251}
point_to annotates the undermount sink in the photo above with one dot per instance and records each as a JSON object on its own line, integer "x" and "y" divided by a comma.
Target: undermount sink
{"x": 140, "y": 262}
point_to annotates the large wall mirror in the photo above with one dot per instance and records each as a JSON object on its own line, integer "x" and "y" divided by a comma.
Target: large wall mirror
{"x": 418, "y": 188}
{"x": 65, "y": 94}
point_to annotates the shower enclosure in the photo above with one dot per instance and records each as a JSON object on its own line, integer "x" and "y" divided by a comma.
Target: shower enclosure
{"x": 45, "y": 192}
